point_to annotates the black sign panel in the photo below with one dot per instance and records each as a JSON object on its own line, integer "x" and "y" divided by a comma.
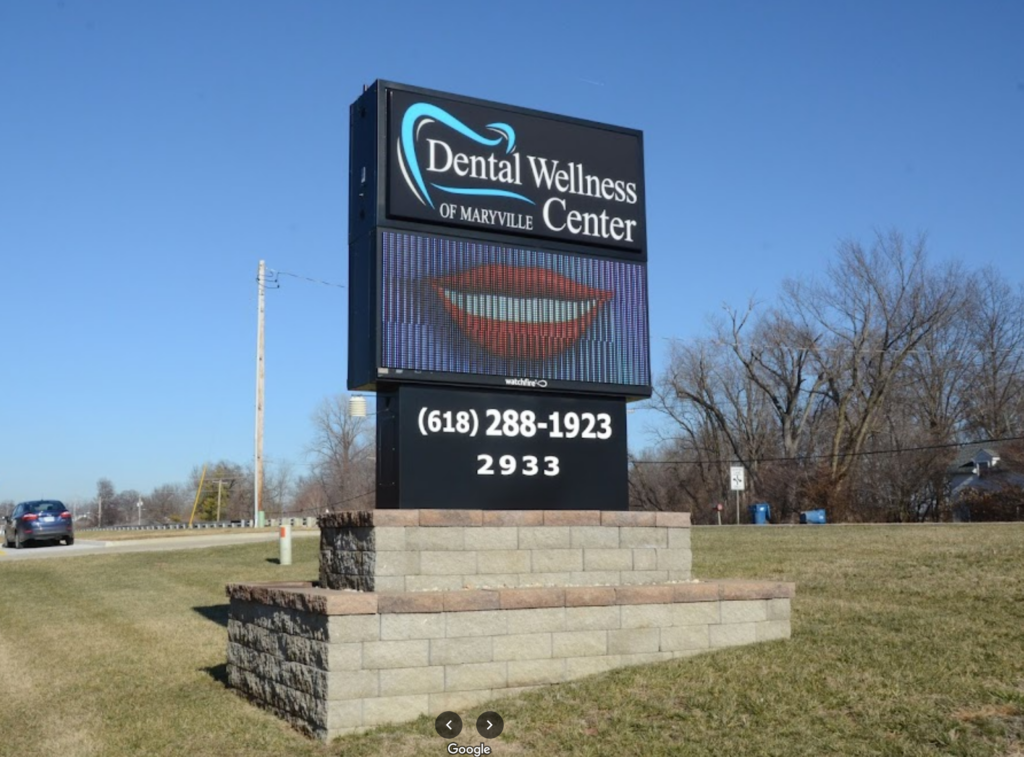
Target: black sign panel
{"x": 501, "y": 248}
{"x": 494, "y": 451}
{"x": 458, "y": 162}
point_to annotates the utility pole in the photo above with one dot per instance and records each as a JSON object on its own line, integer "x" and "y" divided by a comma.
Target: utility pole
{"x": 258, "y": 463}
{"x": 99, "y": 517}
{"x": 220, "y": 486}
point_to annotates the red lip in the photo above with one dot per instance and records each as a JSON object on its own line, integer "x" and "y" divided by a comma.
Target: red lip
{"x": 520, "y": 312}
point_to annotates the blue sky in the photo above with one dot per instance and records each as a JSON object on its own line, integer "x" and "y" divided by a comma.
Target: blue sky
{"x": 152, "y": 153}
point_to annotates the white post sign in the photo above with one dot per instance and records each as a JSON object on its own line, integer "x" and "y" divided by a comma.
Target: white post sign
{"x": 737, "y": 482}
{"x": 737, "y": 478}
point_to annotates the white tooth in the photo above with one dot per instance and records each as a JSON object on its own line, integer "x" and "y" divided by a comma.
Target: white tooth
{"x": 519, "y": 309}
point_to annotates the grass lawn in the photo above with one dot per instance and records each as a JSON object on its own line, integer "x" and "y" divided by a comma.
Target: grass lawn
{"x": 906, "y": 641}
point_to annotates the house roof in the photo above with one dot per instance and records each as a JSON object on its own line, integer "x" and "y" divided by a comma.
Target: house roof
{"x": 970, "y": 454}
{"x": 993, "y": 482}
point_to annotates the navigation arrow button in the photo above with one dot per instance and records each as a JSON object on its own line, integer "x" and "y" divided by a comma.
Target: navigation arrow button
{"x": 448, "y": 725}
{"x": 490, "y": 725}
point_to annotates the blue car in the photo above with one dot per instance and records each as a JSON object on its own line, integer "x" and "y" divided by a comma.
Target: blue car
{"x": 39, "y": 521}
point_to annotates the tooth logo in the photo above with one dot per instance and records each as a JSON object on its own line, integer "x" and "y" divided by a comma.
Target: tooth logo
{"x": 520, "y": 312}
{"x": 423, "y": 114}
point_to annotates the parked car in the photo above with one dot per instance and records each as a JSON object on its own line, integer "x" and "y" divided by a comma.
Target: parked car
{"x": 39, "y": 521}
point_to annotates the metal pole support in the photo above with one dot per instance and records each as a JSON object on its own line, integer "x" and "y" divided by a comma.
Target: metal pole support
{"x": 286, "y": 545}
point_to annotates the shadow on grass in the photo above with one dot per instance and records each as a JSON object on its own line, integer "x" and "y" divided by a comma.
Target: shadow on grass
{"x": 274, "y": 560}
{"x": 218, "y": 673}
{"x": 217, "y": 613}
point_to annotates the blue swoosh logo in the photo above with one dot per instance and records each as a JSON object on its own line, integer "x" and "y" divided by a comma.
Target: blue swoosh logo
{"x": 409, "y": 163}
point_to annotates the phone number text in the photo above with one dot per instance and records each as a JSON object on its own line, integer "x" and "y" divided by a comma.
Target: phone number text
{"x": 515, "y": 423}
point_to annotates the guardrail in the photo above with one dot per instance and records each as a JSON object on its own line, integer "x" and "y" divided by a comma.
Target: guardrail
{"x": 303, "y": 522}
{"x": 269, "y": 523}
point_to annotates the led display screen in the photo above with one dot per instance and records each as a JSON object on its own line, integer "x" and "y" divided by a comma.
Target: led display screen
{"x": 511, "y": 316}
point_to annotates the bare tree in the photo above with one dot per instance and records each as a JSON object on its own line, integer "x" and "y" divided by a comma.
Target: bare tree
{"x": 107, "y": 510}
{"x": 777, "y": 358}
{"x": 669, "y": 478}
{"x": 703, "y": 390}
{"x": 995, "y": 397}
{"x": 310, "y": 497}
{"x": 928, "y": 409}
{"x": 876, "y": 308}
{"x": 903, "y": 474}
{"x": 168, "y": 503}
{"x": 342, "y": 452}
{"x": 278, "y": 487}
{"x": 720, "y": 416}
{"x": 798, "y": 393}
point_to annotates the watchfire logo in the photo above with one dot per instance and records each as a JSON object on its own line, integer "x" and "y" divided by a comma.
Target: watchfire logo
{"x": 528, "y": 383}
{"x": 489, "y": 166}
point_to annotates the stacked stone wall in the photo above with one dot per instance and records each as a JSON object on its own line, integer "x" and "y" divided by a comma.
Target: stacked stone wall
{"x": 418, "y": 612}
{"x": 436, "y": 550}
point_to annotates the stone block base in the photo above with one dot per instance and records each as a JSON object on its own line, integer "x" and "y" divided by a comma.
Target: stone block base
{"x": 334, "y": 662}
{"x": 439, "y": 550}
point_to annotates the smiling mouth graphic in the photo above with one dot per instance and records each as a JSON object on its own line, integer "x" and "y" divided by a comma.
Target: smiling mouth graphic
{"x": 524, "y": 313}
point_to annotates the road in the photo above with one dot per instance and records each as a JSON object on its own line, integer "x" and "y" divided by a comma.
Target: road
{"x": 161, "y": 544}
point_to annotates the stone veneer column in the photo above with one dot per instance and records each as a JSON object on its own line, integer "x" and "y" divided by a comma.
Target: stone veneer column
{"x": 438, "y": 550}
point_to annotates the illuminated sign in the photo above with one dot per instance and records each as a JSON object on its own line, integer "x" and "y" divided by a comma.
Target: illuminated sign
{"x": 453, "y": 310}
{"x": 458, "y": 162}
{"x": 497, "y": 300}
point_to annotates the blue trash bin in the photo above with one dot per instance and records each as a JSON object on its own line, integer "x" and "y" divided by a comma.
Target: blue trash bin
{"x": 760, "y": 513}
{"x": 813, "y": 517}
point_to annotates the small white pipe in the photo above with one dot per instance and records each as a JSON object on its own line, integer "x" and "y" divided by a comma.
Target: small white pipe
{"x": 286, "y": 545}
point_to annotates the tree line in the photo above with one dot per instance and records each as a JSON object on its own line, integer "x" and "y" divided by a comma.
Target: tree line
{"x": 340, "y": 475}
{"x": 850, "y": 393}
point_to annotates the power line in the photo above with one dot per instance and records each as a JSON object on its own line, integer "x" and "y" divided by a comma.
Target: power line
{"x": 828, "y": 456}
{"x": 768, "y": 349}
{"x": 329, "y": 505}
{"x": 350, "y": 499}
{"x": 273, "y": 274}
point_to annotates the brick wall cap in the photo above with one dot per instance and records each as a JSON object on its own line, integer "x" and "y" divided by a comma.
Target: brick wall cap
{"x": 451, "y": 517}
{"x": 627, "y": 518}
{"x": 458, "y": 517}
{"x": 695, "y": 591}
{"x": 589, "y": 596}
{"x": 396, "y": 517}
{"x": 572, "y": 517}
{"x": 513, "y": 518}
{"x": 471, "y": 599}
{"x": 304, "y": 596}
{"x": 518, "y": 599}
{"x": 672, "y": 520}
{"x": 656, "y": 594}
{"x": 410, "y": 602}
